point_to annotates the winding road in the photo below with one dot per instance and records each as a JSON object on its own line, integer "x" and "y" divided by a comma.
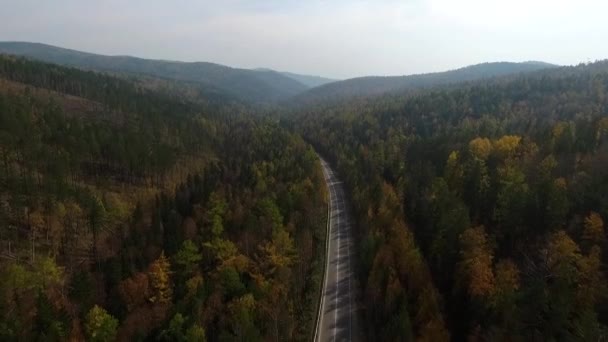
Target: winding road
{"x": 337, "y": 318}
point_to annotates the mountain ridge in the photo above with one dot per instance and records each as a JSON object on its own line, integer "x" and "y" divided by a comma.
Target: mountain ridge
{"x": 247, "y": 85}
{"x": 262, "y": 85}
{"x": 376, "y": 85}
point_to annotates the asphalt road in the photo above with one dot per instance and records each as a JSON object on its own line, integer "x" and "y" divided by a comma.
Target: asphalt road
{"x": 338, "y": 312}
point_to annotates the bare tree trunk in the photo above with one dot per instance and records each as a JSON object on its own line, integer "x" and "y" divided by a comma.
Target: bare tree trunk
{"x": 33, "y": 246}
{"x": 39, "y": 179}
{"x": 276, "y": 329}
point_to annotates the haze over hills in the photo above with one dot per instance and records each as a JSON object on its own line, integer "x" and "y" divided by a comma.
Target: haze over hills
{"x": 308, "y": 80}
{"x": 256, "y": 86}
{"x": 374, "y": 85}
{"x": 262, "y": 85}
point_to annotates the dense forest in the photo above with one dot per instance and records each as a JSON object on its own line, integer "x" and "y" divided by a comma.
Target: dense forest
{"x": 480, "y": 208}
{"x": 138, "y": 208}
{"x": 131, "y": 214}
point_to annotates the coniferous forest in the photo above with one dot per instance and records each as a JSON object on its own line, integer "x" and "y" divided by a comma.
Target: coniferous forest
{"x": 140, "y": 208}
{"x": 131, "y": 215}
{"x": 480, "y": 206}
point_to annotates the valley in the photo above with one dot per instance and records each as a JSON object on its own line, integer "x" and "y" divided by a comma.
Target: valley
{"x": 147, "y": 200}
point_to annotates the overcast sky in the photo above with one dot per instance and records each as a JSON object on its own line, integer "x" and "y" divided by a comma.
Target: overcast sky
{"x": 337, "y": 38}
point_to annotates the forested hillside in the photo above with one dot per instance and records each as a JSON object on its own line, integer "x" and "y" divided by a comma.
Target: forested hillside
{"x": 480, "y": 208}
{"x": 132, "y": 214}
{"x": 149, "y": 207}
{"x": 251, "y": 86}
{"x": 376, "y": 85}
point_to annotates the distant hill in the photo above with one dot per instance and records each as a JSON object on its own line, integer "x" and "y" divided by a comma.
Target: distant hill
{"x": 257, "y": 86}
{"x": 374, "y": 85}
{"x": 308, "y": 80}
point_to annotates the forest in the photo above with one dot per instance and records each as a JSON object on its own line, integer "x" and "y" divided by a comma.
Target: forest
{"x": 140, "y": 208}
{"x": 480, "y": 207}
{"x": 129, "y": 214}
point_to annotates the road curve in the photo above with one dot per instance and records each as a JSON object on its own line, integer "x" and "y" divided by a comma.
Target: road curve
{"x": 337, "y": 318}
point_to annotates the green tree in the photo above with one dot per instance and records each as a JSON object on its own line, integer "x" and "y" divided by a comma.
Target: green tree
{"x": 175, "y": 331}
{"x": 217, "y": 210}
{"x": 188, "y": 257}
{"x": 100, "y": 326}
{"x": 195, "y": 333}
{"x": 511, "y": 202}
{"x": 242, "y": 318}
{"x": 97, "y": 221}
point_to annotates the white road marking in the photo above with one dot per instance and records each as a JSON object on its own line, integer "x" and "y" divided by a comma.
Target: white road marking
{"x": 318, "y": 329}
{"x": 337, "y": 274}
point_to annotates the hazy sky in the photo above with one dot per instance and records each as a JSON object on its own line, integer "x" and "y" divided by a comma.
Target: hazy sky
{"x": 339, "y": 38}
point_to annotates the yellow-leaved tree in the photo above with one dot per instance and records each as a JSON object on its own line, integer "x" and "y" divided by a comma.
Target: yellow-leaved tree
{"x": 506, "y": 146}
{"x": 160, "y": 280}
{"x": 480, "y": 148}
{"x": 476, "y": 262}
